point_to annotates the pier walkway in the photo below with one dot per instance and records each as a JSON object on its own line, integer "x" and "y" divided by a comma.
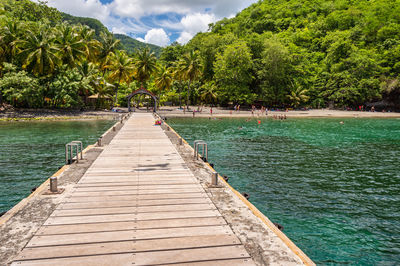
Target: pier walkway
{"x": 138, "y": 204}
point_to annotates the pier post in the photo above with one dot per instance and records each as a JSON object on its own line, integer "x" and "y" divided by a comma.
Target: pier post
{"x": 214, "y": 179}
{"x": 53, "y": 184}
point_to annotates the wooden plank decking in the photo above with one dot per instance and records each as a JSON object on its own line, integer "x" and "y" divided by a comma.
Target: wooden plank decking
{"x": 138, "y": 204}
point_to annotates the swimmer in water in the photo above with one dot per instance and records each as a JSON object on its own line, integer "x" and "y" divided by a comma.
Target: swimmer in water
{"x": 341, "y": 122}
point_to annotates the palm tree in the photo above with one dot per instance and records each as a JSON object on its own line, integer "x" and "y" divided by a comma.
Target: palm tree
{"x": 71, "y": 45}
{"x": 208, "y": 93}
{"x": 89, "y": 73}
{"x": 107, "y": 47}
{"x": 121, "y": 68}
{"x": 190, "y": 67}
{"x": 92, "y": 45}
{"x": 298, "y": 96}
{"x": 163, "y": 79}
{"x": 39, "y": 51}
{"x": 9, "y": 39}
{"x": 145, "y": 65}
{"x": 178, "y": 77}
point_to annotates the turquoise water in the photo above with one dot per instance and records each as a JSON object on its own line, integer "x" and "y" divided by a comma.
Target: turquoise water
{"x": 334, "y": 187}
{"x": 30, "y": 152}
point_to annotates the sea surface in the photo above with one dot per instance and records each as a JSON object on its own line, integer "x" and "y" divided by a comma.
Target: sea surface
{"x": 30, "y": 152}
{"x": 334, "y": 187}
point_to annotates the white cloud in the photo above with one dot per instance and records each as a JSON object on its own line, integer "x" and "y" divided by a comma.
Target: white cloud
{"x": 197, "y": 22}
{"x": 139, "y": 8}
{"x": 131, "y": 16}
{"x": 194, "y": 23}
{"x": 157, "y": 37}
{"x": 83, "y": 8}
{"x": 184, "y": 37}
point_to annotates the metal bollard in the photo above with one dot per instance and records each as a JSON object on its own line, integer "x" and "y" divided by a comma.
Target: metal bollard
{"x": 180, "y": 141}
{"x": 113, "y": 129}
{"x": 53, "y": 184}
{"x": 214, "y": 179}
{"x": 168, "y": 129}
{"x": 99, "y": 142}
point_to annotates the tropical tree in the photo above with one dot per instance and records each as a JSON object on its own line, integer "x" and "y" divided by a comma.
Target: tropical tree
{"x": 233, "y": 73}
{"x": 89, "y": 73}
{"x": 190, "y": 67}
{"x": 178, "y": 81}
{"x": 20, "y": 88}
{"x": 39, "y": 51}
{"x": 145, "y": 65}
{"x": 71, "y": 46}
{"x": 208, "y": 92}
{"x": 275, "y": 72}
{"x": 121, "y": 69}
{"x": 298, "y": 96}
{"x": 9, "y": 39}
{"x": 106, "y": 48}
{"x": 92, "y": 46}
{"x": 163, "y": 79}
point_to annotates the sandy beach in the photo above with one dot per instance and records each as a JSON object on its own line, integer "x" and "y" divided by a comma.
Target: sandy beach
{"x": 219, "y": 112}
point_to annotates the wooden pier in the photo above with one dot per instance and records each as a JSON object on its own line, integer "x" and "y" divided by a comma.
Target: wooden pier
{"x": 138, "y": 204}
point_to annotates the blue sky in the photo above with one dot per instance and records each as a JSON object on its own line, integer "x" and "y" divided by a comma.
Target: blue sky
{"x": 158, "y": 22}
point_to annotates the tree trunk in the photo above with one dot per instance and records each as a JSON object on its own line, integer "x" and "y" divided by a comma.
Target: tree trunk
{"x": 180, "y": 97}
{"x": 116, "y": 94}
{"x": 188, "y": 95}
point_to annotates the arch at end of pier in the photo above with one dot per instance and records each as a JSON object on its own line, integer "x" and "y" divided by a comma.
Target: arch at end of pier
{"x": 142, "y": 91}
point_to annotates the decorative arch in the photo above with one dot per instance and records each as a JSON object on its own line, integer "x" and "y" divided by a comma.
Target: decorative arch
{"x": 142, "y": 91}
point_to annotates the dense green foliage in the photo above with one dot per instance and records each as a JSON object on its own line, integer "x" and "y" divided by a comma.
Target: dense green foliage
{"x": 344, "y": 53}
{"x": 47, "y": 62}
{"x": 292, "y": 53}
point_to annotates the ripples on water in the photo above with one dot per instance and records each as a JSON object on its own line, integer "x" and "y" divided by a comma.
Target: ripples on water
{"x": 335, "y": 188}
{"x": 30, "y": 152}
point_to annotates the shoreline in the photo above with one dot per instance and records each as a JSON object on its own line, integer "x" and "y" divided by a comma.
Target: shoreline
{"x": 175, "y": 112}
{"x": 54, "y": 115}
{"x": 317, "y": 113}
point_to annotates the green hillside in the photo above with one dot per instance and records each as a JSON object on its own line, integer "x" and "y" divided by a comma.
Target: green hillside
{"x": 130, "y": 44}
{"x": 306, "y": 52}
{"x": 126, "y": 43}
{"x": 91, "y": 22}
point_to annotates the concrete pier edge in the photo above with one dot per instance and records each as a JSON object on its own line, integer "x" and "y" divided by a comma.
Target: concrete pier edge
{"x": 304, "y": 258}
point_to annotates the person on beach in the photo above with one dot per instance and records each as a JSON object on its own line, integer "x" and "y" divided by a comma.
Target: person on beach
{"x": 211, "y": 111}
{"x": 194, "y": 113}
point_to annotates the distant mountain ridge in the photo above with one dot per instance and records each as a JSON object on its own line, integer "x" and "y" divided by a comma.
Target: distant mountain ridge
{"x": 126, "y": 42}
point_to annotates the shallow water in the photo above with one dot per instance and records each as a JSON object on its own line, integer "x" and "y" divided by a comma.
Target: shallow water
{"x": 30, "y": 152}
{"x": 335, "y": 188}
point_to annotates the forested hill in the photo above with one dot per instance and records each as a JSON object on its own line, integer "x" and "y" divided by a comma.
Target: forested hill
{"x": 127, "y": 43}
{"x": 306, "y": 52}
